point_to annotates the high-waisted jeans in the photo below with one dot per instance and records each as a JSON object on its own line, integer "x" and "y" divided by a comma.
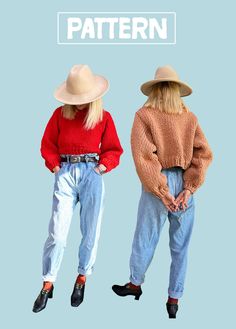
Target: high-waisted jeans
{"x": 74, "y": 182}
{"x": 152, "y": 215}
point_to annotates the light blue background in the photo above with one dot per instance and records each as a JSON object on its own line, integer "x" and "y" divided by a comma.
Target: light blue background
{"x": 32, "y": 65}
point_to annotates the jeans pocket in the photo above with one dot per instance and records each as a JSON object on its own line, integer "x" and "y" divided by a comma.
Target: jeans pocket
{"x": 59, "y": 171}
{"x": 93, "y": 169}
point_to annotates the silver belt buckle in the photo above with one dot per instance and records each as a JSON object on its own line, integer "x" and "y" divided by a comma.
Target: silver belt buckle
{"x": 74, "y": 159}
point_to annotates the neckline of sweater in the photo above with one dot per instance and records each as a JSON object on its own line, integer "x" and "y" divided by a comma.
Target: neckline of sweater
{"x": 171, "y": 113}
{"x": 81, "y": 112}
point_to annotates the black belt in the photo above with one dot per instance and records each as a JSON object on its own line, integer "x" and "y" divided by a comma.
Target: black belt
{"x": 78, "y": 158}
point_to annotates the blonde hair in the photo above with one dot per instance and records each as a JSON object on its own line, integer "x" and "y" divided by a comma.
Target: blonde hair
{"x": 165, "y": 96}
{"x": 94, "y": 115}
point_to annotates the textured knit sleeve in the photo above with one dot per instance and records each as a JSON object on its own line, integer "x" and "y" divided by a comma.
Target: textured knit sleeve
{"x": 111, "y": 149}
{"x": 146, "y": 160}
{"x": 49, "y": 149}
{"x": 194, "y": 175}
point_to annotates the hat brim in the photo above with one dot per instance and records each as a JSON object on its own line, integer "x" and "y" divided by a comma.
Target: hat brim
{"x": 146, "y": 87}
{"x": 100, "y": 89}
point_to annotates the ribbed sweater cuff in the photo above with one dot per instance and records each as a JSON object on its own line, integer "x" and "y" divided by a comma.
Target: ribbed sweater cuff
{"x": 190, "y": 187}
{"x": 109, "y": 164}
{"x": 161, "y": 191}
{"x": 52, "y": 164}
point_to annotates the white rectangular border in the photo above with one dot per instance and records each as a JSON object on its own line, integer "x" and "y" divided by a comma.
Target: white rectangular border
{"x": 115, "y": 43}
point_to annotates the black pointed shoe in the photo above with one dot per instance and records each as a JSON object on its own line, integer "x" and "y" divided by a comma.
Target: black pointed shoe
{"x": 172, "y": 310}
{"x": 42, "y": 300}
{"x": 77, "y": 296}
{"x": 126, "y": 290}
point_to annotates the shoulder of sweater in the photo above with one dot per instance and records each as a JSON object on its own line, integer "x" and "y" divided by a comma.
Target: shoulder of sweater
{"x": 107, "y": 115}
{"x": 58, "y": 111}
{"x": 142, "y": 111}
{"x": 193, "y": 115}
{"x": 193, "y": 118}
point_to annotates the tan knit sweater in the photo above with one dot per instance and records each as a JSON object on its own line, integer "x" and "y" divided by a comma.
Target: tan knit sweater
{"x": 162, "y": 140}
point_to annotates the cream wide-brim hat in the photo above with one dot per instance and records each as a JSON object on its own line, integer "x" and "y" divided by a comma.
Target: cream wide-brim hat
{"x": 81, "y": 86}
{"x": 166, "y": 73}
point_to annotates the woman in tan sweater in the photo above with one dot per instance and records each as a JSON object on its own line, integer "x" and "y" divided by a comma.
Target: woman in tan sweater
{"x": 171, "y": 156}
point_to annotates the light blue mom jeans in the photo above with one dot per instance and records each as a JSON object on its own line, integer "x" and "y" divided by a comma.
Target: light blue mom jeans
{"x": 74, "y": 182}
{"x": 152, "y": 215}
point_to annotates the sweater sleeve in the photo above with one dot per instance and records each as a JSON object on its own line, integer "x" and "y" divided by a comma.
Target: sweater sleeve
{"x": 194, "y": 175}
{"x": 146, "y": 160}
{"x": 111, "y": 148}
{"x": 49, "y": 148}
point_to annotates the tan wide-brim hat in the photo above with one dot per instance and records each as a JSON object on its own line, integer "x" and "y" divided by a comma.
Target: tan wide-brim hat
{"x": 81, "y": 86}
{"x": 166, "y": 73}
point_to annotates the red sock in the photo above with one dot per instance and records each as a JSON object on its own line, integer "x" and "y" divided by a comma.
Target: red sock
{"x": 81, "y": 279}
{"x": 47, "y": 285}
{"x": 133, "y": 286}
{"x": 172, "y": 300}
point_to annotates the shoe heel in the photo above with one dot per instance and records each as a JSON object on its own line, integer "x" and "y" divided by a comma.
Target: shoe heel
{"x": 137, "y": 297}
{"x": 50, "y": 294}
{"x": 172, "y": 316}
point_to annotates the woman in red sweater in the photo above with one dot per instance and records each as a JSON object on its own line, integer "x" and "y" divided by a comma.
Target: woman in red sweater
{"x": 79, "y": 144}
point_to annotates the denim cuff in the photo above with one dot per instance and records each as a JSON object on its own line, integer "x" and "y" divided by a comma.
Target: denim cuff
{"x": 175, "y": 294}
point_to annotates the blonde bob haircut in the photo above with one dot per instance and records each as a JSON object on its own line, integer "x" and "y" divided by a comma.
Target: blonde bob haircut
{"x": 94, "y": 115}
{"x": 165, "y": 96}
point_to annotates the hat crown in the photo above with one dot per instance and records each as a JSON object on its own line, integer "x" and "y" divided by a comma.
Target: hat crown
{"x": 80, "y": 79}
{"x": 166, "y": 72}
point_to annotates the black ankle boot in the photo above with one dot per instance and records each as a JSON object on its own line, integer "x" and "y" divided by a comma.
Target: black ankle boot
{"x": 172, "y": 310}
{"x": 77, "y": 296}
{"x": 126, "y": 290}
{"x": 42, "y": 299}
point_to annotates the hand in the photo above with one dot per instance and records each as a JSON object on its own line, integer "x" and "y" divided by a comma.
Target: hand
{"x": 182, "y": 198}
{"x": 101, "y": 167}
{"x": 56, "y": 169}
{"x": 170, "y": 202}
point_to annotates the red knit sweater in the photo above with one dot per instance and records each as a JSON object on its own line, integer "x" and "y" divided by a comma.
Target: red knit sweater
{"x": 64, "y": 136}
